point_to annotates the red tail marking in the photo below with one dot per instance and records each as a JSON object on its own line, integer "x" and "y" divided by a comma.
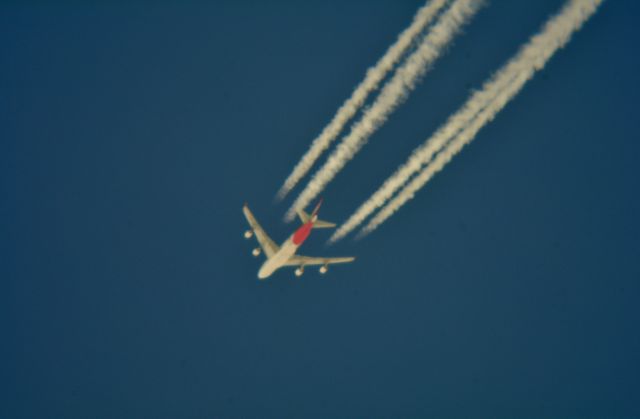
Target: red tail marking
{"x": 302, "y": 233}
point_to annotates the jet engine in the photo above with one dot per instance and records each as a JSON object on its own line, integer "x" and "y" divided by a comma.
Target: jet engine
{"x": 324, "y": 269}
{"x": 256, "y": 252}
{"x": 299, "y": 271}
{"x": 248, "y": 234}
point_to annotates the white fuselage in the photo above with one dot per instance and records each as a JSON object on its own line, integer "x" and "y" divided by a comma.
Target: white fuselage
{"x": 278, "y": 260}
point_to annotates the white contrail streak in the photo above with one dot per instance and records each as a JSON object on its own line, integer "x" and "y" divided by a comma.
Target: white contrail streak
{"x": 402, "y": 82}
{"x": 556, "y": 33}
{"x": 470, "y": 110}
{"x": 373, "y": 77}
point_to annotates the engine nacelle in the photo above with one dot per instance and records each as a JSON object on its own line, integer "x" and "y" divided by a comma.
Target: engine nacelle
{"x": 256, "y": 252}
{"x": 324, "y": 269}
{"x": 248, "y": 234}
{"x": 299, "y": 271}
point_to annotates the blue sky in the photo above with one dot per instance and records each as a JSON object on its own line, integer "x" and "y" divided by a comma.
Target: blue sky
{"x": 133, "y": 133}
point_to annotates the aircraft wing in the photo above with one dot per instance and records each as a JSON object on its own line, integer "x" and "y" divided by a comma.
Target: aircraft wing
{"x": 297, "y": 260}
{"x": 268, "y": 246}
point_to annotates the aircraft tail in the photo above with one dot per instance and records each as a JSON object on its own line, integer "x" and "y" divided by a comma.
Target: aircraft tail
{"x": 304, "y": 217}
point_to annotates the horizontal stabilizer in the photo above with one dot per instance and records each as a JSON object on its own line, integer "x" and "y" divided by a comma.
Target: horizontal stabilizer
{"x": 304, "y": 217}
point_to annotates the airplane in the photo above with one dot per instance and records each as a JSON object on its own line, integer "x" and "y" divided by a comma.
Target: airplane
{"x": 285, "y": 255}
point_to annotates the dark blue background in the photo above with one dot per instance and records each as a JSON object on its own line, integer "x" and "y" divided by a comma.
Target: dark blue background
{"x": 132, "y": 134}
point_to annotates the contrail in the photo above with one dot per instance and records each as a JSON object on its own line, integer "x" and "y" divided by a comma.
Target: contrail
{"x": 470, "y": 110}
{"x": 556, "y": 33}
{"x": 373, "y": 77}
{"x": 396, "y": 89}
